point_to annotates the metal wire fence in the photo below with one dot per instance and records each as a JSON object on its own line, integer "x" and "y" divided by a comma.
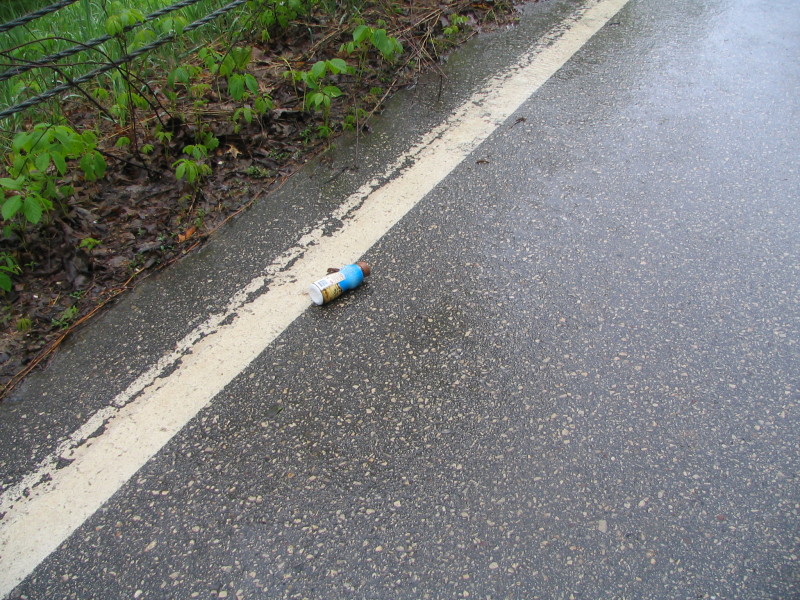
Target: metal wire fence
{"x": 52, "y": 60}
{"x": 35, "y": 15}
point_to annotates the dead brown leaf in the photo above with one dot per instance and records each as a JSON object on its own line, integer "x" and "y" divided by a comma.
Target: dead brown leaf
{"x": 182, "y": 237}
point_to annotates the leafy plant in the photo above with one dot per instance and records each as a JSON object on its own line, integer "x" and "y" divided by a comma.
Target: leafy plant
{"x": 65, "y": 319}
{"x": 121, "y": 17}
{"x": 239, "y": 84}
{"x": 190, "y": 170}
{"x": 259, "y": 172}
{"x": 183, "y": 75}
{"x": 247, "y": 112}
{"x": 365, "y": 36}
{"x": 232, "y": 65}
{"x": 36, "y": 159}
{"x": 172, "y": 24}
{"x": 8, "y": 268}
{"x": 318, "y": 95}
{"x": 89, "y": 243}
{"x": 269, "y": 15}
{"x": 194, "y": 169}
{"x": 127, "y": 94}
{"x": 165, "y": 137}
{"x": 456, "y": 21}
{"x": 357, "y": 115}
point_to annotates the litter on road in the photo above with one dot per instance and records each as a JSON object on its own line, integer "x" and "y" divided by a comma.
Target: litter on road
{"x": 337, "y": 282}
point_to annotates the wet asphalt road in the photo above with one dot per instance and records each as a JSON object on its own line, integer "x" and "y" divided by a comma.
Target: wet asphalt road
{"x": 573, "y": 372}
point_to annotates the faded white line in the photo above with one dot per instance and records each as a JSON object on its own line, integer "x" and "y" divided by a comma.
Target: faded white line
{"x": 152, "y": 410}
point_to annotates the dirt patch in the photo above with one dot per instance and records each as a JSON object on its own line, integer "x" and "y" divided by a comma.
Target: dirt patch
{"x": 111, "y": 233}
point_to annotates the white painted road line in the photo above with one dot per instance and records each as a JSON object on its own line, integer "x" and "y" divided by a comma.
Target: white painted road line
{"x": 152, "y": 410}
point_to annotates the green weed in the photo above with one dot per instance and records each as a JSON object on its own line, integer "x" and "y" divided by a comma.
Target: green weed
{"x": 317, "y": 94}
{"x": 36, "y": 160}
{"x": 89, "y": 243}
{"x": 24, "y": 325}
{"x": 259, "y": 172}
{"x": 65, "y": 319}
{"x": 8, "y": 268}
{"x": 365, "y": 37}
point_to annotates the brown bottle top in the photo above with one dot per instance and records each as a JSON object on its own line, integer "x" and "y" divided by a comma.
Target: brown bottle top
{"x": 365, "y": 268}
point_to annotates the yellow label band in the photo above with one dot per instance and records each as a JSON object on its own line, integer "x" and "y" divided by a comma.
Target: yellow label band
{"x": 331, "y": 292}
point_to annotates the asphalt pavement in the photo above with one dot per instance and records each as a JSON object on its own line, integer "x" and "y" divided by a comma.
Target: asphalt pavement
{"x": 573, "y": 372}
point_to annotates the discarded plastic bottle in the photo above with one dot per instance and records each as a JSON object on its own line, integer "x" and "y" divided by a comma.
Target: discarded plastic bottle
{"x": 335, "y": 284}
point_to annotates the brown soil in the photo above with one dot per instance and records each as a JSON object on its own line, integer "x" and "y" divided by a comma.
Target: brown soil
{"x": 145, "y": 219}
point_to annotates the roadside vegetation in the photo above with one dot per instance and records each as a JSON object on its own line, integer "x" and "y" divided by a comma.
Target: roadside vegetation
{"x": 168, "y": 122}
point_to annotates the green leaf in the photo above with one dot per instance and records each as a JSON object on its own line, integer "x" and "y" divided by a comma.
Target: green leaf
{"x": 191, "y": 172}
{"x": 32, "y": 209}
{"x": 42, "y": 162}
{"x": 21, "y": 142}
{"x": 48, "y": 190}
{"x": 332, "y": 91}
{"x": 114, "y": 25}
{"x": 60, "y": 162}
{"x": 87, "y": 166}
{"x": 337, "y": 65}
{"x": 89, "y": 138}
{"x": 318, "y": 69}
{"x": 210, "y": 142}
{"x": 142, "y": 37}
{"x": 361, "y": 33}
{"x": 227, "y": 66}
{"x": 179, "y": 23}
{"x": 242, "y": 56}
{"x": 5, "y": 282}
{"x": 315, "y": 99}
{"x": 18, "y": 165}
{"x": 121, "y": 100}
{"x": 263, "y": 104}
{"x": 11, "y": 207}
{"x": 379, "y": 38}
{"x": 11, "y": 184}
{"x": 140, "y": 102}
{"x": 236, "y": 86}
{"x": 251, "y": 83}
{"x": 309, "y": 79}
{"x": 93, "y": 165}
{"x": 89, "y": 243}
{"x": 180, "y": 75}
{"x": 99, "y": 164}
{"x": 66, "y": 135}
{"x": 387, "y": 46}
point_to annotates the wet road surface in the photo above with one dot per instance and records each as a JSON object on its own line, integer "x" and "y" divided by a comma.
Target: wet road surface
{"x": 572, "y": 373}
